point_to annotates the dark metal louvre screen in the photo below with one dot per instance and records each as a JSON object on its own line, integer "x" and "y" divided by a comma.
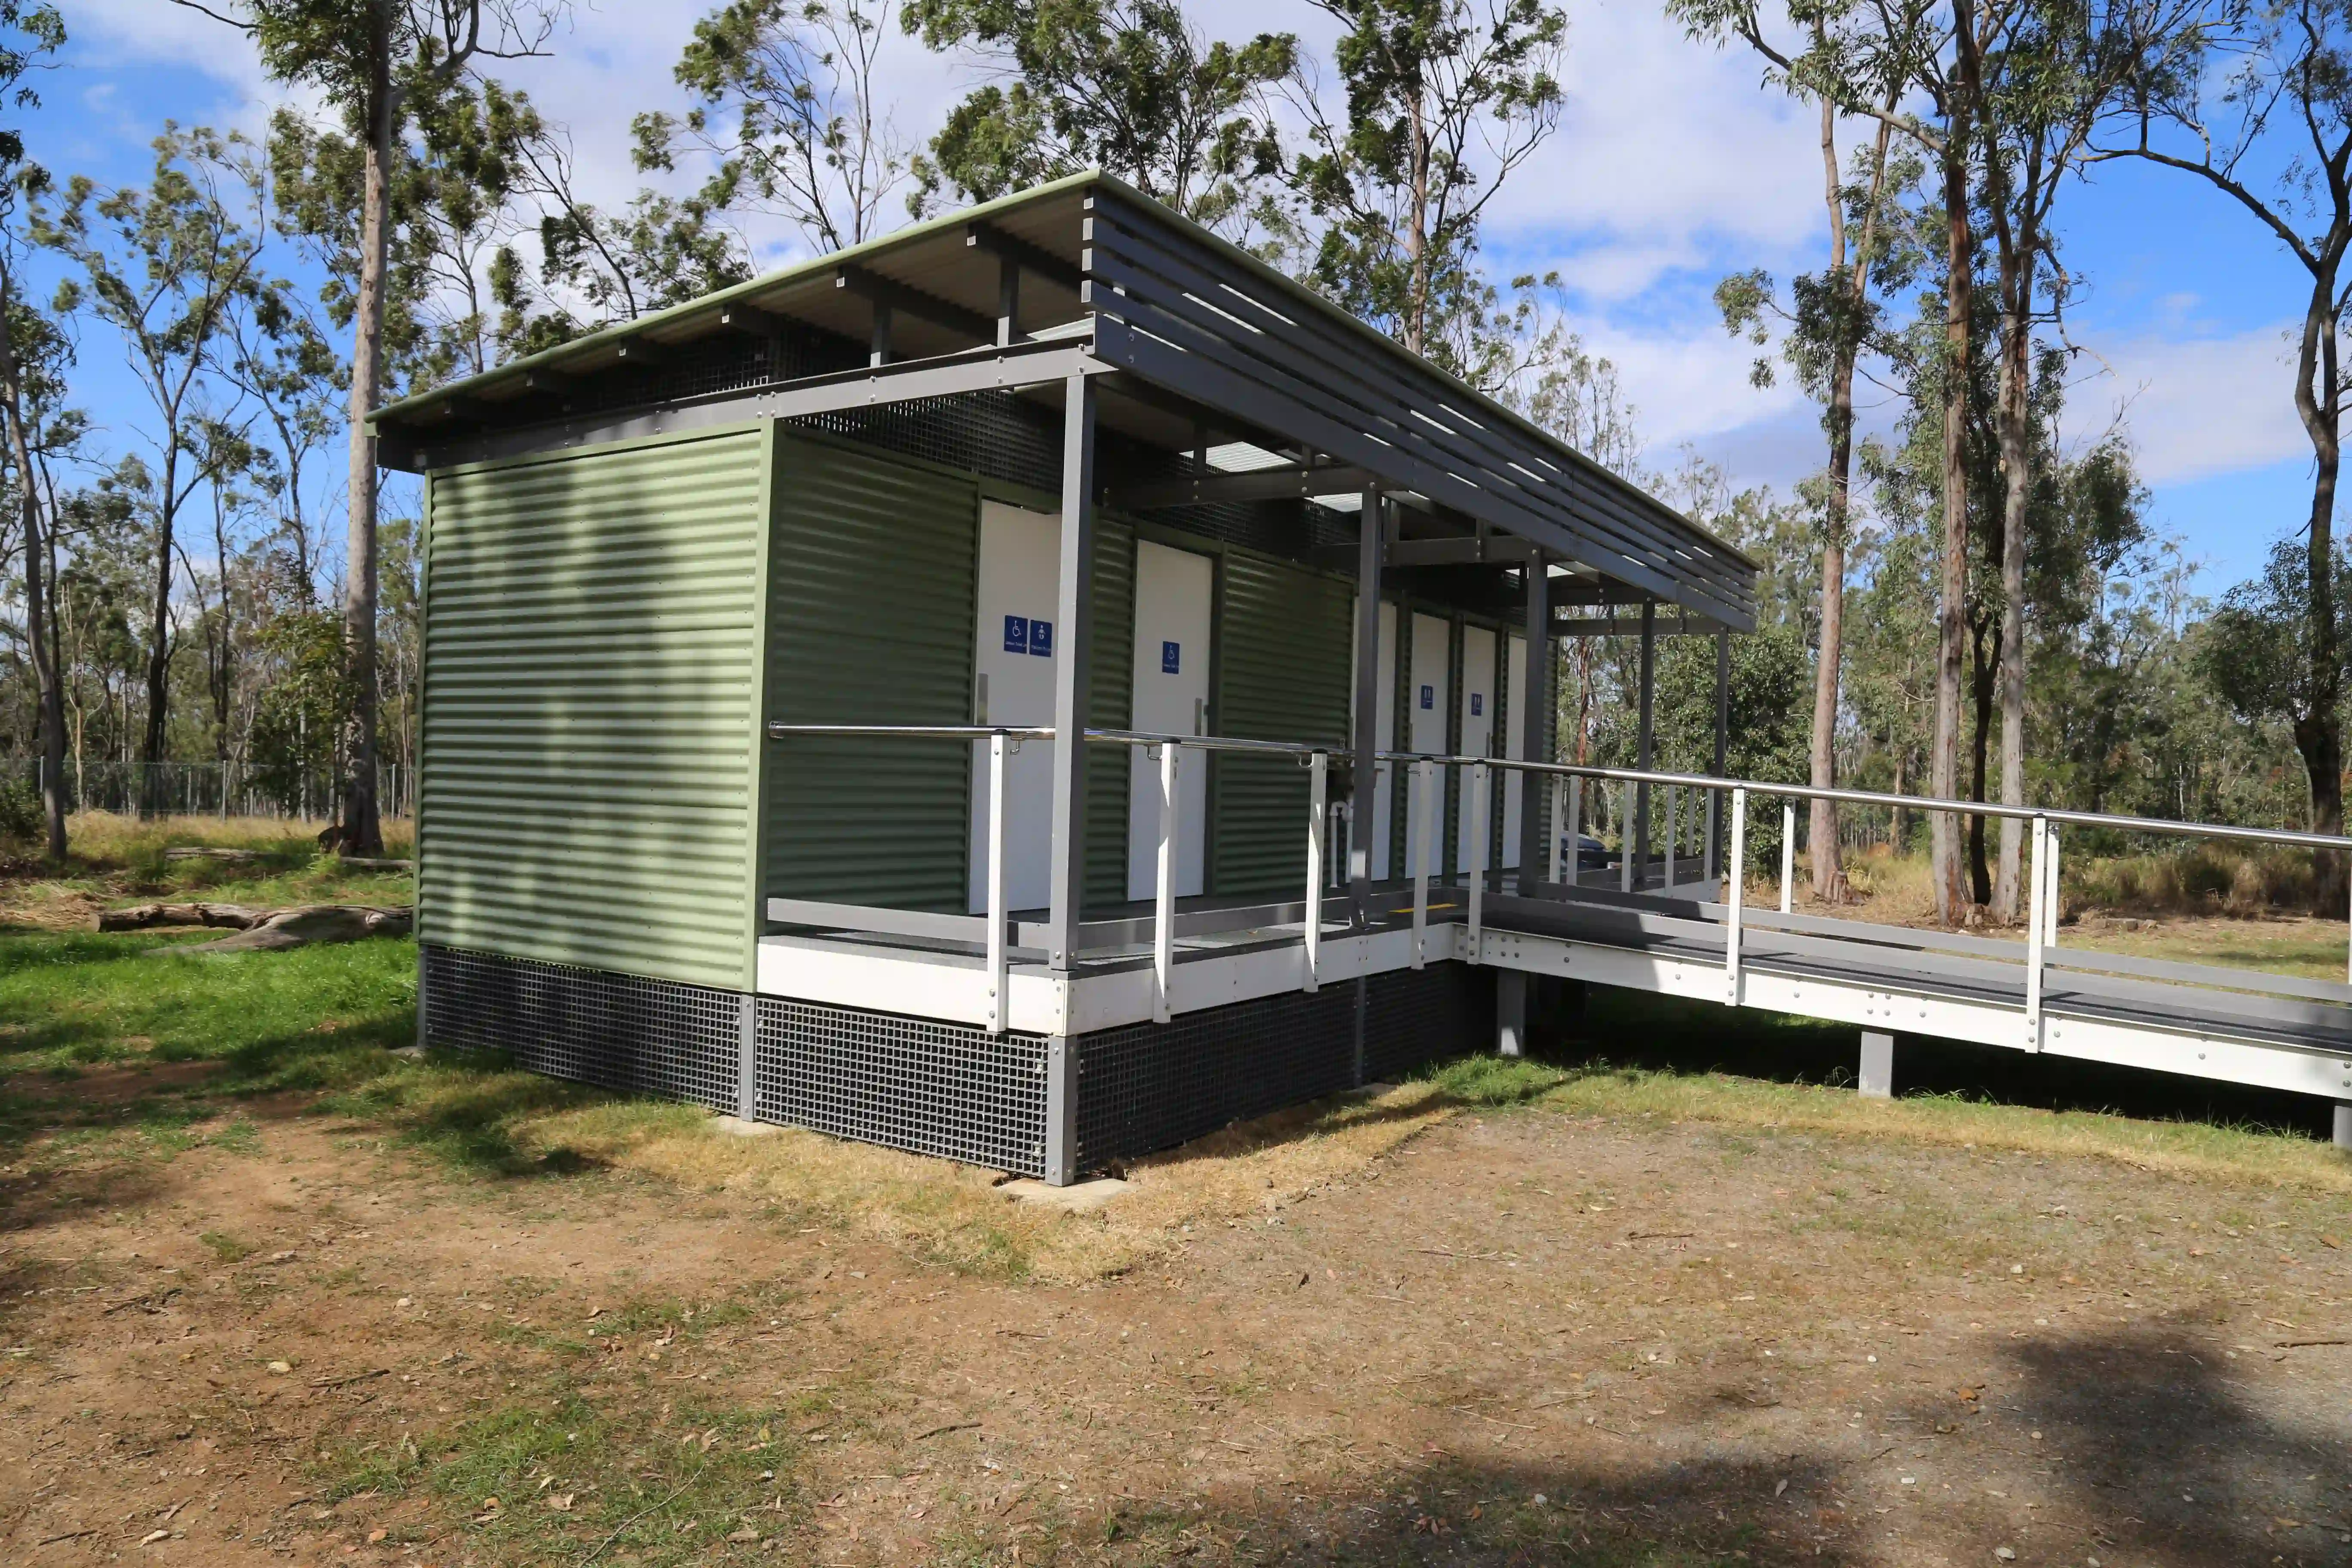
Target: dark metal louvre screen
{"x": 948, "y": 1089}
{"x": 1150, "y": 1086}
{"x": 617, "y": 1031}
{"x": 1413, "y": 1017}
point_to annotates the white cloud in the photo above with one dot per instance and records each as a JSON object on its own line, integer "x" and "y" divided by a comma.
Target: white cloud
{"x": 2196, "y": 406}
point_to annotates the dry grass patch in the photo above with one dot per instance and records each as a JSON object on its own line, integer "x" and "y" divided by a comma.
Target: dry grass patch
{"x": 957, "y": 1215}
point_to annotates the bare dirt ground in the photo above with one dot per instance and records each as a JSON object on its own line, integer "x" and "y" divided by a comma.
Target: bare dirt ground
{"x": 1526, "y": 1335}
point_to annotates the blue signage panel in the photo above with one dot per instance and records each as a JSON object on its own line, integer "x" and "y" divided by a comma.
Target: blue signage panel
{"x": 1429, "y": 697}
{"x": 1170, "y": 656}
{"x": 1478, "y": 703}
{"x": 1016, "y": 634}
{"x": 1040, "y": 639}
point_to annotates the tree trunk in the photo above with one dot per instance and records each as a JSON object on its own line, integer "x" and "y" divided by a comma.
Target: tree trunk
{"x": 1829, "y": 875}
{"x": 152, "y": 795}
{"x": 2014, "y": 423}
{"x": 38, "y": 627}
{"x": 1984, "y": 673}
{"x": 2318, "y": 734}
{"x": 362, "y": 832}
{"x": 1944, "y": 764}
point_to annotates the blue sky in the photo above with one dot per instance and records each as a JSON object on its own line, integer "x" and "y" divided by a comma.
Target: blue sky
{"x": 1671, "y": 168}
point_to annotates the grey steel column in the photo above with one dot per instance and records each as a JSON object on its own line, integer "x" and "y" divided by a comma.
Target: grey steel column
{"x": 2343, "y": 1127}
{"x": 1061, "y": 1160}
{"x": 1722, "y": 731}
{"x": 1535, "y": 680}
{"x": 1642, "y": 751}
{"x": 1073, "y": 666}
{"x": 1360, "y": 805}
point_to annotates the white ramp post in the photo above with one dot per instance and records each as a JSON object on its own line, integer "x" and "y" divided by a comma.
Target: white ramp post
{"x": 1713, "y": 803}
{"x": 1787, "y": 854}
{"x": 1426, "y": 772}
{"x": 1877, "y": 1080}
{"x": 1625, "y": 839}
{"x": 1477, "y": 854}
{"x": 1163, "y": 909}
{"x": 997, "y": 1009}
{"x": 2037, "y": 915}
{"x": 1735, "y": 894}
{"x": 1671, "y": 836}
{"x": 1319, "y": 774}
{"x": 1574, "y": 837}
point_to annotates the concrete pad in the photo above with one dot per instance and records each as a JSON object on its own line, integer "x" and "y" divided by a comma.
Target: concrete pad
{"x": 1078, "y": 1197}
{"x": 736, "y": 1127}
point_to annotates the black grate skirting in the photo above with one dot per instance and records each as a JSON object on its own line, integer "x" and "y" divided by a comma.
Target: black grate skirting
{"x": 1413, "y": 1017}
{"x": 617, "y": 1031}
{"x": 949, "y": 1089}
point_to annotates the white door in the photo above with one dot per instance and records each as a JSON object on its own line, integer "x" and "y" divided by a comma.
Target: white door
{"x": 1384, "y": 739}
{"x": 1429, "y": 684}
{"x": 1515, "y": 746}
{"x": 1019, "y": 568}
{"x": 1172, "y": 593}
{"x": 1477, "y": 731}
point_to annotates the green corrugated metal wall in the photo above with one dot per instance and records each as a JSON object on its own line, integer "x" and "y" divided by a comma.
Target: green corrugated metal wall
{"x": 870, "y": 595}
{"x": 590, "y": 696}
{"x": 1283, "y": 664}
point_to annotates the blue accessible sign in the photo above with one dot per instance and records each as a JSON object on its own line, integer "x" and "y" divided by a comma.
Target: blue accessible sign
{"x": 1170, "y": 657}
{"x": 1429, "y": 697}
{"x": 1040, "y": 639}
{"x": 1016, "y": 634}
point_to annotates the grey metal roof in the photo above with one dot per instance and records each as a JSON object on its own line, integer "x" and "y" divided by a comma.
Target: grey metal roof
{"x": 1191, "y": 334}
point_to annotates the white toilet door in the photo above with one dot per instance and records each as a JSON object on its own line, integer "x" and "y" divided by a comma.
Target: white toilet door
{"x": 1020, "y": 568}
{"x": 1428, "y": 687}
{"x": 1173, "y": 589}
{"x": 1477, "y": 731}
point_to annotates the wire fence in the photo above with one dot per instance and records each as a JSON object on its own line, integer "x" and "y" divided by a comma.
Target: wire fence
{"x": 213, "y": 789}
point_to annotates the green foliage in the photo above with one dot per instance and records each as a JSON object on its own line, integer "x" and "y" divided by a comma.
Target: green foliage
{"x": 1131, "y": 87}
{"x": 20, "y": 810}
{"x": 300, "y": 720}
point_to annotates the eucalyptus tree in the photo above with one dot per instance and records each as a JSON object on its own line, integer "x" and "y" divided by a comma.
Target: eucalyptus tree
{"x": 1444, "y": 102}
{"x": 1131, "y": 87}
{"x": 1832, "y": 318}
{"x": 2255, "y": 101}
{"x": 166, "y": 265}
{"x": 370, "y": 59}
{"x": 32, "y": 352}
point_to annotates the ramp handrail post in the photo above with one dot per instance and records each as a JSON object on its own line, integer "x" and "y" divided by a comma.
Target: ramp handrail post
{"x": 1426, "y": 772}
{"x": 1787, "y": 854}
{"x": 1671, "y": 836}
{"x": 2050, "y": 905}
{"x": 2036, "y": 914}
{"x": 1163, "y": 908}
{"x": 1318, "y": 785}
{"x": 1478, "y": 852}
{"x": 1713, "y": 804}
{"x": 1575, "y": 835}
{"x": 997, "y": 978}
{"x": 1625, "y": 837}
{"x": 1735, "y": 895}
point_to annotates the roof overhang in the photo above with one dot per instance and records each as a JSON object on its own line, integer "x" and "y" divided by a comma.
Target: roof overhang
{"x": 1189, "y": 340}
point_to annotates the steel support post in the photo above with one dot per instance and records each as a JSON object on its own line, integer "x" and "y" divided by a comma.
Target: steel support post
{"x": 1715, "y": 826}
{"x": 1646, "y": 734}
{"x": 1535, "y": 678}
{"x": 1510, "y": 1013}
{"x": 1073, "y": 663}
{"x": 2344, "y": 1128}
{"x": 1061, "y": 1110}
{"x": 1364, "y": 787}
{"x": 747, "y": 1058}
{"x": 1877, "y": 1066}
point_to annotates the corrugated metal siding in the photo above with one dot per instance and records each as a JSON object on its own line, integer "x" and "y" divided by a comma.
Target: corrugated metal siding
{"x": 591, "y": 686}
{"x": 1111, "y": 702}
{"x": 1281, "y": 675}
{"x": 871, "y": 588}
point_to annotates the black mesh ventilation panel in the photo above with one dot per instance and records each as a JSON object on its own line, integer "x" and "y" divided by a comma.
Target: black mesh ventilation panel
{"x": 948, "y": 1089}
{"x": 1150, "y": 1086}
{"x": 617, "y": 1031}
{"x": 1414, "y": 1016}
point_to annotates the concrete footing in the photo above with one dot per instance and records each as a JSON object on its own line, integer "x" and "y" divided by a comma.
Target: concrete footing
{"x": 1877, "y": 1080}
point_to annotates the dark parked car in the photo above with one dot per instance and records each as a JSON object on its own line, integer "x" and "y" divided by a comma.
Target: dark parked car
{"x": 1591, "y": 855}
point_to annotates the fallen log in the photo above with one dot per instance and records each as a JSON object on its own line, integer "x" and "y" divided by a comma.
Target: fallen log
{"x": 307, "y": 925}
{"x": 378, "y": 863}
{"x": 145, "y": 917}
{"x": 203, "y": 852}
